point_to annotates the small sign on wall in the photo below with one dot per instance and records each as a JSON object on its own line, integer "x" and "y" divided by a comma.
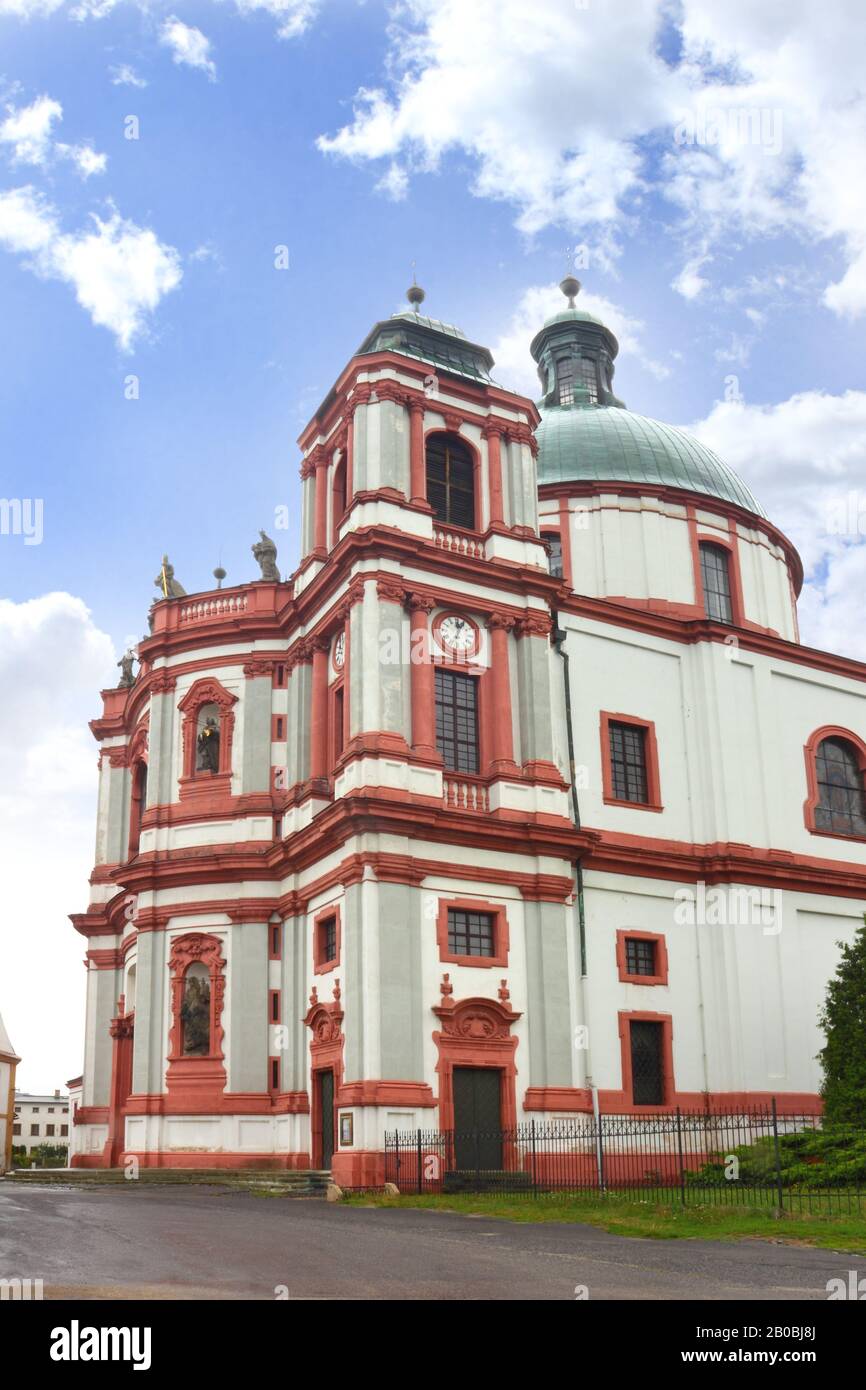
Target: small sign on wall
{"x": 347, "y": 1130}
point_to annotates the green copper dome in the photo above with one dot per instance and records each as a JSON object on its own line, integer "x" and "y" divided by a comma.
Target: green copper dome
{"x": 587, "y": 435}
{"x": 599, "y": 443}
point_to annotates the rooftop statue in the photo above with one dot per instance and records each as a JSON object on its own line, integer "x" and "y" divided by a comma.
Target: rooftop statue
{"x": 166, "y": 581}
{"x": 265, "y": 552}
{"x": 125, "y": 663}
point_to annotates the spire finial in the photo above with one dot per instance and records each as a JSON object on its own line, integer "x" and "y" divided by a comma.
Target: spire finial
{"x": 415, "y": 294}
{"x": 570, "y": 287}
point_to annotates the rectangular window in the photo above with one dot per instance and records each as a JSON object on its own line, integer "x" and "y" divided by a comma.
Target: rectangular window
{"x": 640, "y": 956}
{"x": 34, "y": 1129}
{"x": 64, "y": 1131}
{"x": 275, "y": 1006}
{"x": 716, "y": 580}
{"x": 647, "y": 1062}
{"x": 279, "y": 728}
{"x": 553, "y": 541}
{"x": 338, "y": 722}
{"x": 327, "y": 930}
{"x": 565, "y": 380}
{"x": 49, "y": 1131}
{"x": 275, "y": 940}
{"x": 470, "y": 933}
{"x": 16, "y": 1129}
{"x": 588, "y": 379}
{"x": 628, "y": 762}
{"x": 457, "y": 720}
{"x": 275, "y": 1074}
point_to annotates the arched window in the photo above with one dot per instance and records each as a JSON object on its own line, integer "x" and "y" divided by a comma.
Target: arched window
{"x": 716, "y": 581}
{"x": 587, "y": 377}
{"x": 565, "y": 381}
{"x": 841, "y": 805}
{"x": 138, "y": 801}
{"x": 338, "y": 498}
{"x": 451, "y": 481}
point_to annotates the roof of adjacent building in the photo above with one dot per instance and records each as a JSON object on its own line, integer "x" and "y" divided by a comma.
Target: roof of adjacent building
{"x": 605, "y": 443}
{"x": 7, "y": 1051}
{"x": 442, "y": 345}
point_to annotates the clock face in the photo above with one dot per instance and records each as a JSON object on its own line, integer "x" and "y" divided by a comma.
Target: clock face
{"x": 340, "y": 651}
{"x": 457, "y": 634}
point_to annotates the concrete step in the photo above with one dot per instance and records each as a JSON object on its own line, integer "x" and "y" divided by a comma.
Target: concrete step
{"x": 302, "y": 1182}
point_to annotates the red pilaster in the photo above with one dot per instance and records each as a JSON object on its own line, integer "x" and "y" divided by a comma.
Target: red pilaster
{"x": 493, "y": 434}
{"x": 499, "y": 678}
{"x": 320, "y": 537}
{"x": 319, "y": 711}
{"x": 417, "y": 468}
{"x": 423, "y": 677}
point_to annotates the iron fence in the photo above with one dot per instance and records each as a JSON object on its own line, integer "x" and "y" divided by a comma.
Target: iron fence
{"x": 749, "y": 1157}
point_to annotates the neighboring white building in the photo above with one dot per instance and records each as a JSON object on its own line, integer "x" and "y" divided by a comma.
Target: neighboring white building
{"x": 43, "y": 1119}
{"x": 8, "y": 1062}
{"x": 519, "y": 798}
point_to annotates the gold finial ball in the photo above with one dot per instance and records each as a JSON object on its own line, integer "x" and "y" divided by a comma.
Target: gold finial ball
{"x": 415, "y": 296}
{"x": 570, "y": 287}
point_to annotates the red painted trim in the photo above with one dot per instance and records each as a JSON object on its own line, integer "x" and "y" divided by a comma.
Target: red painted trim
{"x": 227, "y": 1103}
{"x": 654, "y": 802}
{"x": 810, "y": 752}
{"x": 279, "y": 731}
{"x": 724, "y": 862}
{"x": 363, "y": 1093}
{"x": 475, "y": 1033}
{"x": 326, "y": 1054}
{"x": 177, "y": 1158}
{"x": 717, "y": 505}
{"x": 197, "y": 1078}
{"x": 275, "y": 1006}
{"x": 661, "y": 957}
{"x": 625, "y": 1103}
{"x": 501, "y": 939}
{"x": 563, "y": 1098}
{"x": 321, "y": 966}
{"x": 275, "y": 940}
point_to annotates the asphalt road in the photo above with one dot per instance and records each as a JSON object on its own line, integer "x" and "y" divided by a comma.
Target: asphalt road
{"x": 214, "y": 1243}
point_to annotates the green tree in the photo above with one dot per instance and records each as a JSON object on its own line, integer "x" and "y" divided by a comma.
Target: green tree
{"x": 843, "y": 1019}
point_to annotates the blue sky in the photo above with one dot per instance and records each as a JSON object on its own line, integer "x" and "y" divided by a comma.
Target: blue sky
{"x": 484, "y": 141}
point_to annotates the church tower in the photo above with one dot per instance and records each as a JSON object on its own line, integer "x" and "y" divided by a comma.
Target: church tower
{"x": 335, "y": 884}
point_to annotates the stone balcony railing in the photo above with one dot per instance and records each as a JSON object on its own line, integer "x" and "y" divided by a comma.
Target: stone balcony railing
{"x": 457, "y": 541}
{"x": 464, "y": 794}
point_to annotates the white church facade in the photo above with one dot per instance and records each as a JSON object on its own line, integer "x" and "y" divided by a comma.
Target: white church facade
{"x": 519, "y": 798}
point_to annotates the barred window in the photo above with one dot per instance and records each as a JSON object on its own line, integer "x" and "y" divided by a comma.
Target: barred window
{"x": 716, "y": 580}
{"x": 470, "y": 933}
{"x": 451, "y": 481}
{"x": 628, "y": 762}
{"x": 647, "y": 1067}
{"x": 841, "y": 801}
{"x": 457, "y": 720}
{"x": 640, "y": 956}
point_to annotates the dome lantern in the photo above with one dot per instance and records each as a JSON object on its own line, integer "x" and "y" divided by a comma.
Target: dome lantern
{"x": 575, "y": 354}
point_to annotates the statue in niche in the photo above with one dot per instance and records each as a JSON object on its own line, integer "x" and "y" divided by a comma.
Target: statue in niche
{"x": 208, "y": 747}
{"x": 166, "y": 582}
{"x": 195, "y": 1016}
{"x": 265, "y": 552}
{"x": 127, "y": 678}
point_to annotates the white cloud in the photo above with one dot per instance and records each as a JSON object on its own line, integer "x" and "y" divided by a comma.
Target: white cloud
{"x": 805, "y": 460}
{"x": 122, "y": 75}
{"x": 188, "y": 46}
{"x": 28, "y": 130}
{"x": 119, "y": 271}
{"x": 759, "y": 126}
{"x": 514, "y": 366}
{"x": 293, "y": 17}
{"x": 47, "y": 804}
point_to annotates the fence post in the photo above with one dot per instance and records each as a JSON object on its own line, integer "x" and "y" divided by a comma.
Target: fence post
{"x": 418, "y": 1156}
{"x": 600, "y": 1151}
{"x": 534, "y": 1176}
{"x": 779, "y": 1193}
{"x": 680, "y": 1152}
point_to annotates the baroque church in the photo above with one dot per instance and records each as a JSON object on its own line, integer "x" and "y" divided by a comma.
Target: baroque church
{"x": 520, "y": 798}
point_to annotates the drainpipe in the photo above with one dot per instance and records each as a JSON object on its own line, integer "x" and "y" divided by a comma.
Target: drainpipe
{"x": 559, "y": 636}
